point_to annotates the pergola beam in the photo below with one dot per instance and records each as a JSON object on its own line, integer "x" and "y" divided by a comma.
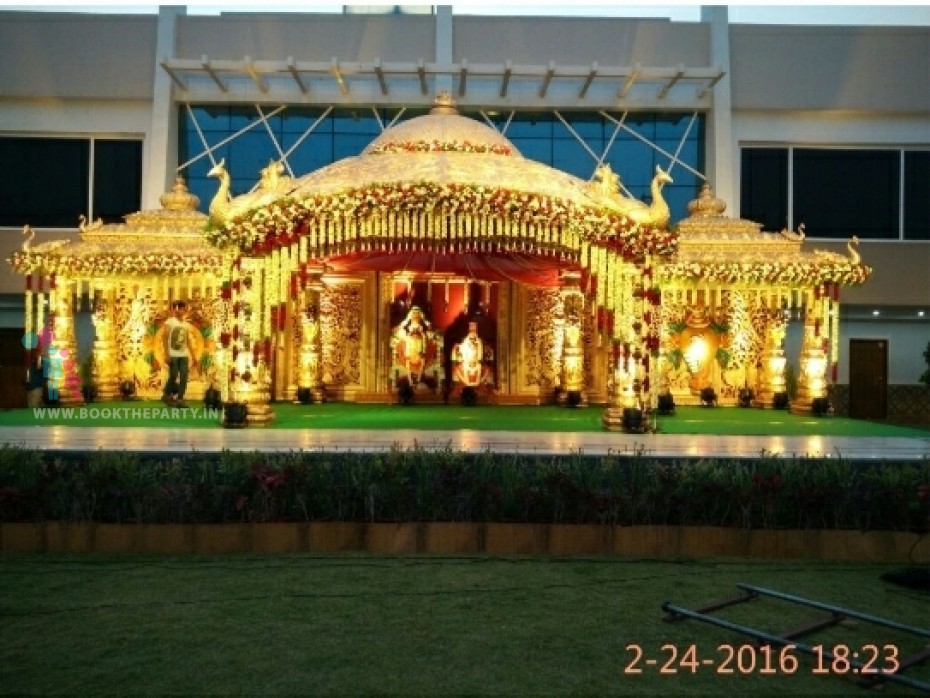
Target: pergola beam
{"x": 292, "y": 69}
{"x": 710, "y": 85}
{"x": 630, "y": 81}
{"x": 338, "y": 77}
{"x": 508, "y": 71}
{"x": 663, "y": 93}
{"x": 463, "y": 78}
{"x": 208, "y": 68}
{"x": 173, "y": 75}
{"x": 379, "y": 72}
{"x": 421, "y": 73}
{"x": 380, "y": 79}
{"x": 588, "y": 81}
{"x": 252, "y": 73}
{"x": 550, "y": 73}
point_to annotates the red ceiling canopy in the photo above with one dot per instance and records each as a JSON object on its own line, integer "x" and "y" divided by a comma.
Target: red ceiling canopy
{"x": 484, "y": 266}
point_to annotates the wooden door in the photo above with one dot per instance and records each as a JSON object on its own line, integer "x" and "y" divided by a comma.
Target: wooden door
{"x": 868, "y": 378}
{"x": 12, "y": 368}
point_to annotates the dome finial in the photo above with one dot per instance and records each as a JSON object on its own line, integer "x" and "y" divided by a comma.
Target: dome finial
{"x": 706, "y": 205}
{"x": 444, "y": 104}
{"x": 179, "y": 198}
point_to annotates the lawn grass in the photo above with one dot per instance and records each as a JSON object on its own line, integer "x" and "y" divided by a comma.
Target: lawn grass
{"x": 359, "y": 624}
{"x": 687, "y": 420}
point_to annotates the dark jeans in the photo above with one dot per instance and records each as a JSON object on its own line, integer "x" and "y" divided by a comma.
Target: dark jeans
{"x": 176, "y": 384}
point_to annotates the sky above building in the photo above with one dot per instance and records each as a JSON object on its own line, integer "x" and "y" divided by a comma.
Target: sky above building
{"x": 915, "y": 14}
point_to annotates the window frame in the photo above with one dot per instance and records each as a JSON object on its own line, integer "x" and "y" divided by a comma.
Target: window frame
{"x": 902, "y": 184}
{"x": 89, "y": 186}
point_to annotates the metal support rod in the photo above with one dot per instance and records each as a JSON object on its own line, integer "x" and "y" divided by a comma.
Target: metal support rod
{"x": 812, "y": 627}
{"x": 716, "y": 605}
{"x": 782, "y": 642}
{"x": 923, "y": 632}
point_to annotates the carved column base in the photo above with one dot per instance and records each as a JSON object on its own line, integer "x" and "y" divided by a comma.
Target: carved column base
{"x": 108, "y": 389}
{"x": 763, "y": 398}
{"x": 770, "y": 399}
{"x": 310, "y": 395}
{"x": 801, "y": 405}
{"x": 259, "y": 415}
{"x": 630, "y": 420}
{"x": 67, "y": 396}
{"x": 572, "y": 398}
{"x": 612, "y": 418}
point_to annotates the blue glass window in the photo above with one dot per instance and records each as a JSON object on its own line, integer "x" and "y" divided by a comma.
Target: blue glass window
{"x": 538, "y": 135}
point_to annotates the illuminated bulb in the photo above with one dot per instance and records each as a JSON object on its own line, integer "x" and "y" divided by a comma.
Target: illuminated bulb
{"x": 695, "y": 354}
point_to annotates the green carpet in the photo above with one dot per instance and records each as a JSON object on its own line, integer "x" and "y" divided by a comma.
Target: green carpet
{"x": 687, "y": 420}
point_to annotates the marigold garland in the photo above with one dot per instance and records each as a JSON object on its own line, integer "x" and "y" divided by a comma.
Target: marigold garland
{"x": 276, "y": 224}
{"x": 105, "y": 263}
{"x": 437, "y": 146}
{"x": 793, "y": 273}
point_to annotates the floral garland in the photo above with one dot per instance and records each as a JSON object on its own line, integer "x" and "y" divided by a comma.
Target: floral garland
{"x": 103, "y": 263}
{"x": 793, "y": 273}
{"x": 437, "y": 146}
{"x": 276, "y": 224}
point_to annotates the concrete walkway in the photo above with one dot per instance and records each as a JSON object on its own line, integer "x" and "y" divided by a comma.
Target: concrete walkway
{"x": 153, "y": 440}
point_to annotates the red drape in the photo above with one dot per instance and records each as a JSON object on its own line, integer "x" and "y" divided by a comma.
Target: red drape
{"x": 484, "y": 266}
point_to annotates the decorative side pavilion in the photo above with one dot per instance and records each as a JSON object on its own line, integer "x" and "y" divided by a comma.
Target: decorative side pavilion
{"x": 129, "y": 273}
{"x": 728, "y": 296}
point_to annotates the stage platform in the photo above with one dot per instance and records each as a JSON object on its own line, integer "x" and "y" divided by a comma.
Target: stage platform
{"x": 188, "y": 440}
{"x": 692, "y": 432}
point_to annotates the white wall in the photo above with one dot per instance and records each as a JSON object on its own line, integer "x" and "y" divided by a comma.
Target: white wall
{"x": 72, "y": 56}
{"x": 830, "y": 68}
{"x": 907, "y": 342}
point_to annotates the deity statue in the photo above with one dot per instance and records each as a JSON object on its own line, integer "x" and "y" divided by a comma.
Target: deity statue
{"x": 470, "y": 359}
{"x": 415, "y": 349}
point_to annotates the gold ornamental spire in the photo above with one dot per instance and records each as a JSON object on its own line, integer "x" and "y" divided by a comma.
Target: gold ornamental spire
{"x": 179, "y": 198}
{"x": 706, "y": 205}
{"x": 444, "y": 104}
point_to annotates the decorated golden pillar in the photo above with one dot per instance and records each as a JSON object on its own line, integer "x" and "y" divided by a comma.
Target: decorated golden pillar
{"x": 64, "y": 367}
{"x": 105, "y": 365}
{"x": 572, "y": 369}
{"x": 812, "y": 373}
{"x": 289, "y": 329}
{"x": 772, "y": 375}
{"x": 250, "y": 381}
{"x": 622, "y": 400}
{"x": 310, "y": 376}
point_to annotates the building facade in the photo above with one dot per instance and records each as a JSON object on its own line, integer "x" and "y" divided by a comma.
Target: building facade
{"x": 793, "y": 126}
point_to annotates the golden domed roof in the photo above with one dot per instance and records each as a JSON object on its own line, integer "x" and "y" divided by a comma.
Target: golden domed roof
{"x": 444, "y": 147}
{"x": 446, "y": 160}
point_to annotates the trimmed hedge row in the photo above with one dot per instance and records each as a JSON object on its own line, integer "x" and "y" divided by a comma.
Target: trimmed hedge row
{"x": 770, "y": 492}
